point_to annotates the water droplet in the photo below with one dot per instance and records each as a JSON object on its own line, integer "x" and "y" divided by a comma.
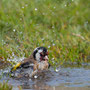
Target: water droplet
{"x": 11, "y": 57}
{"x": 42, "y": 39}
{"x": 53, "y": 44}
{"x": 65, "y": 5}
{"x": 43, "y": 13}
{"x": 35, "y": 76}
{"x": 52, "y": 26}
{"x": 20, "y": 32}
{"x": 54, "y": 7}
{"x": 53, "y": 13}
{"x": 20, "y": 18}
{"x": 23, "y": 7}
{"x": 29, "y": 79}
{"x": 21, "y": 59}
{"x": 35, "y": 9}
{"x": 4, "y": 43}
{"x": 11, "y": 49}
{"x": 14, "y": 30}
{"x": 57, "y": 70}
{"x": 12, "y": 53}
{"x": 49, "y": 46}
{"x": 26, "y": 5}
{"x": 8, "y": 60}
{"x": 52, "y": 58}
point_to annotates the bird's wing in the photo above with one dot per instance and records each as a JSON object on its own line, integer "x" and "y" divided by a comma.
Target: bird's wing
{"x": 25, "y": 63}
{"x": 16, "y": 66}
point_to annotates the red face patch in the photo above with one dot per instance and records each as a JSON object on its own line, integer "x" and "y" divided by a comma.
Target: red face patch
{"x": 47, "y": 53}
{"x": 42, "y": 55}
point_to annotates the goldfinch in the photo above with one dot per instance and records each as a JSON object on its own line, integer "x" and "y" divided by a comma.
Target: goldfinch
{"x": 38, "y": 60}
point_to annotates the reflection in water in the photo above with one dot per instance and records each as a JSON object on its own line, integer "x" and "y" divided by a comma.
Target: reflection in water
{"x": 37, "y": 86}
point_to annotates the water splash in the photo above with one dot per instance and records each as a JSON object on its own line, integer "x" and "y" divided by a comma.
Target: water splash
{"x": 12, "y": 53}
{"x": 42, "y": 39}
{"x": 52, "y": 26}
{"x": 36, "y": 9}
{"x": 15, "y": 59}
{"x": 65, "y": 5}
{"x": 57, "y": 69}
{"x": 23, "y": 7}
{"x": 26, "y": 5}
{"x": 35, "y": 76}
{"x": 53, "y": 44}
{"x": 20, "y": 32}
{"x": 53, "y": 60}
{"x": 14, "y": 30}
{"x": 49, "y": 46}
{"x": 54, "y": 7}
{"x": 20, "y": 18}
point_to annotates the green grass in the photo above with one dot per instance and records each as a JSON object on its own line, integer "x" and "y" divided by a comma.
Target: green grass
{"x": 63, "y": 26}
{"x": 5, "y": 86}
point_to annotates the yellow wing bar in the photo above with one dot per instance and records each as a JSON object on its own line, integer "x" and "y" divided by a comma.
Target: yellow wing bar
{"x": 16, "y": 66}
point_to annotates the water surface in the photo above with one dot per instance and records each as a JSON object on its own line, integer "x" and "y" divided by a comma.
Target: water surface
{"x": 65, "y": 78}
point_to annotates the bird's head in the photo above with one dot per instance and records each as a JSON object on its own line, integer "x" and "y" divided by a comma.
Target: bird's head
{"x": 40, "y": 54}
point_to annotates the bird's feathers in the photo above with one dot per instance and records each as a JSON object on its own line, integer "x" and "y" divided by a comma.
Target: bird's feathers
{"x": 38, "y": 61}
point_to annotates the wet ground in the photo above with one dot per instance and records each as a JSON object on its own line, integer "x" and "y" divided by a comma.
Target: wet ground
{"x": 64, "y": 78}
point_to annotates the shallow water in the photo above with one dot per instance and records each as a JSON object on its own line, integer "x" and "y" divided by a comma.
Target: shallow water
{"x": 65, "y": 78}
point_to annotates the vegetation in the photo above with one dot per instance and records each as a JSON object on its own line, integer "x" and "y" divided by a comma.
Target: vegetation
{"x": 60, "y": 25}
{"x": 5, "y": 86}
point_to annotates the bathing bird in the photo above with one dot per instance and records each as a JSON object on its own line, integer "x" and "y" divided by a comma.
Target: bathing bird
{"x": 38, "y": 61}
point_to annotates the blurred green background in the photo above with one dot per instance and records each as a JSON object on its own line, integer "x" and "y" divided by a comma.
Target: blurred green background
{"x": 63, "y": 26}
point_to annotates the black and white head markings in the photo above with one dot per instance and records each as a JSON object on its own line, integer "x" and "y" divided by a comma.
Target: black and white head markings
{"x": 40, "y": 54}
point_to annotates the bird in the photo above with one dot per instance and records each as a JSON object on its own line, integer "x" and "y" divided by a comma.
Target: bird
{"x": 38, "y": 60}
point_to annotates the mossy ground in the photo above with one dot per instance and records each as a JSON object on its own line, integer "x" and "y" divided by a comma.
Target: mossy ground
{"x": 63, "y": 26}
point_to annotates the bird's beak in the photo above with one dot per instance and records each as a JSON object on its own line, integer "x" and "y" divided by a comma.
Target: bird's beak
{"x": 46, "y": 58}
